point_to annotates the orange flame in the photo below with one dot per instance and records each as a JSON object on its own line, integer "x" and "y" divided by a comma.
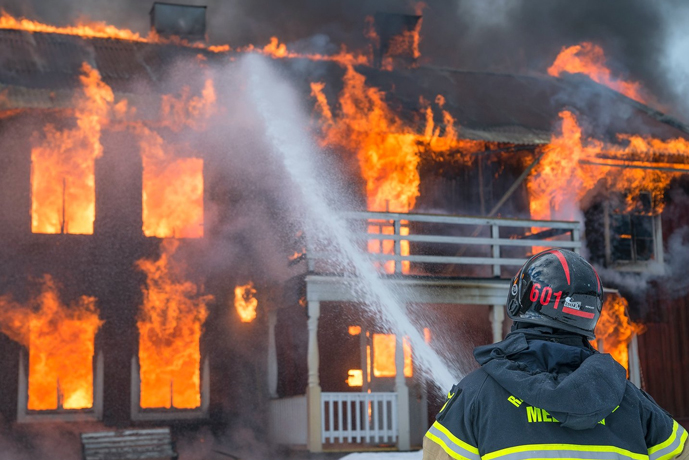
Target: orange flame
{"x": 403, "y": 45}
{"x": 62, "y": 164}
{"x": 589, "y": 59}
{"x": 388, "y": 149}
{"x": 355, "y": 377}
{"x": 96, "y": 29}
{"x": 245, "y": 302}
{"x": 60, "y": 340}
{"x": 384, "y": 365}
{"x": 564, "y": 175}
{"x": 616, "y": 329}
{"x": 173, "y": 185}
{"x": 170, "y": 324}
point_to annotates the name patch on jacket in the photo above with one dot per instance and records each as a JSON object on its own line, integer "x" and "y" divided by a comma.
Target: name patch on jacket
{"x": 538, "y": 415}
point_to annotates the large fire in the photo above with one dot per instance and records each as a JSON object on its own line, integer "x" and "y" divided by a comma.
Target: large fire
{"x": 571, "y": 167}
{"x": 388, "y": 149}
{"x": 63, "y": 192}
{"x": 173, "y": 178}
{"x": 245, "y": 302}
{"x": 60, "y": 340}
{"x": 589, "y": 59}
{"x": 616, "y": 329}
{"x": 170, "y": 324}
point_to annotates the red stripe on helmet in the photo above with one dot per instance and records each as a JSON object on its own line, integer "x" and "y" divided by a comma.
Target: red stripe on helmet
{"x": 574, "y": 312}
{"x": 563, "y": 261}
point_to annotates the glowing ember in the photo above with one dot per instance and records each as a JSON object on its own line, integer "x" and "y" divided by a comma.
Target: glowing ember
{"x": 170, "y": 324}
{"x": 60, "y": 340}
{"x": 565, "y": 173}
{"x": 384, "y": 356}
{"x": 427, "y": 335}
{"x": 616, "y": 329}
{"x": 245, "y": 302}
{"x": 589, "y": 59}
{"x": 355, "y": 378}
{"x": 62, "y": 163}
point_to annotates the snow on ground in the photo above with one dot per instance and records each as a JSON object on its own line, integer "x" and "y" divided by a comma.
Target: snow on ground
{"x": 384, "y": 456}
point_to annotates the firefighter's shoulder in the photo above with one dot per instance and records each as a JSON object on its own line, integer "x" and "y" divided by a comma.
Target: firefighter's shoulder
{"x": 463, "y": 395}
{"x": 453, "y": 435}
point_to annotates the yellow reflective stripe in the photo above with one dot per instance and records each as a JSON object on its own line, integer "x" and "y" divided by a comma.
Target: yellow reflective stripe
{"x": 455, "y": 439}
{"x": 448, "y": 450}
{"x": 671, "y": 447}
{"x": 562, "y": 447}
{"x": 668, "y": 441}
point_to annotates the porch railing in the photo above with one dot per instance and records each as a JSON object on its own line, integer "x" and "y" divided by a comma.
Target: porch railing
{"x": 397, "y": 240}
{"x": 359, "y": 417}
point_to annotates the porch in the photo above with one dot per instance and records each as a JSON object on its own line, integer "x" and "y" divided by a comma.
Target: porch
{"x": 432, "y": 259}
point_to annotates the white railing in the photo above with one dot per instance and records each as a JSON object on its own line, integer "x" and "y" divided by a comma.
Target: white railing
{"x": 359, "y": 417}
{"x": 465, "y": 241}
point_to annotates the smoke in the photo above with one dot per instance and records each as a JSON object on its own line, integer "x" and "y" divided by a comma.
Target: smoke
{"x": 673, "y": 59}
{"x": 643, "y": 40}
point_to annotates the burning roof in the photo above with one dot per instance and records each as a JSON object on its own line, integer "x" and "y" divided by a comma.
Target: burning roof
{"x": 40, "y": 70}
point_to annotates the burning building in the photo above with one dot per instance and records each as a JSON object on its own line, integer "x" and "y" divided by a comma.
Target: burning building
{"x": 117, "y": 191}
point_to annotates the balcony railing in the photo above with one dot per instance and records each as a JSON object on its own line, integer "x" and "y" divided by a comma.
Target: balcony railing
{"x": 442, "y": 245}
{"x": 359, "y": 417}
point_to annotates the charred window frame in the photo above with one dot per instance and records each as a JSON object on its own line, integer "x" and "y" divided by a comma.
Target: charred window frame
{"x": 26, "y": 415}
{"x": 633, "y": 236}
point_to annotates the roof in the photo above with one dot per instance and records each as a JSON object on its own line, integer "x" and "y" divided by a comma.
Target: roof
{"x": 40, "y": 70}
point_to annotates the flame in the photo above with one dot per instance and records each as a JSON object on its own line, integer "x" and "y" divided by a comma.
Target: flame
{"x": 355, "y": 378}
{"x": 62, "y": 163}
{"x": 172, "y": 179}
{"x": 403, "y": 45}
{"x": 97, "y": 29}
{"x": 564, "y": 175}
{"x": 354, "y": 330}
{"x": 589, "y": 59}
{"x": 60, "y": 340}
{"x": 427, "y": 335}
{"x": 388, "y": 149}
{"x": 384, "y": 356}
{"x": 170, "y": 324}
{"x": 616, "y": 329}
{"x": 278, "y": 50}
{"x": 245, "y": 302}
{"x": 91, "y": 30}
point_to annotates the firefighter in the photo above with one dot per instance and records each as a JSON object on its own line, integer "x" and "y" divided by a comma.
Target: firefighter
{"x": 544, "y": 392}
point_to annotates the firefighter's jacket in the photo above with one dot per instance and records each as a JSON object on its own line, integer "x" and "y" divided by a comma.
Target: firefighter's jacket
{"x": 542, "y": 396}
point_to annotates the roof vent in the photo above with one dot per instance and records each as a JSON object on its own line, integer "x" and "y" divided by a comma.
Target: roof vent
{"x": 184, "y": 21}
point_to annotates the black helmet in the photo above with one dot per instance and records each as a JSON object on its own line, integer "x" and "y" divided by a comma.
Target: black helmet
{"x": 557, "y": 288}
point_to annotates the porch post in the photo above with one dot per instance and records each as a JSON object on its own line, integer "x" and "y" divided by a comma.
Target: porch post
{"x": 272, "y": 355}
{"x": 404, "y": 435}
{"x": 497, "y": 318}
{"x": 313, "y": 390}
{"x": 634, "y": 363}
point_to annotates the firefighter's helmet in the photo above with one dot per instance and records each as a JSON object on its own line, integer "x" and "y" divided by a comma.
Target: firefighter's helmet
{"x": 557, "y": 288}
